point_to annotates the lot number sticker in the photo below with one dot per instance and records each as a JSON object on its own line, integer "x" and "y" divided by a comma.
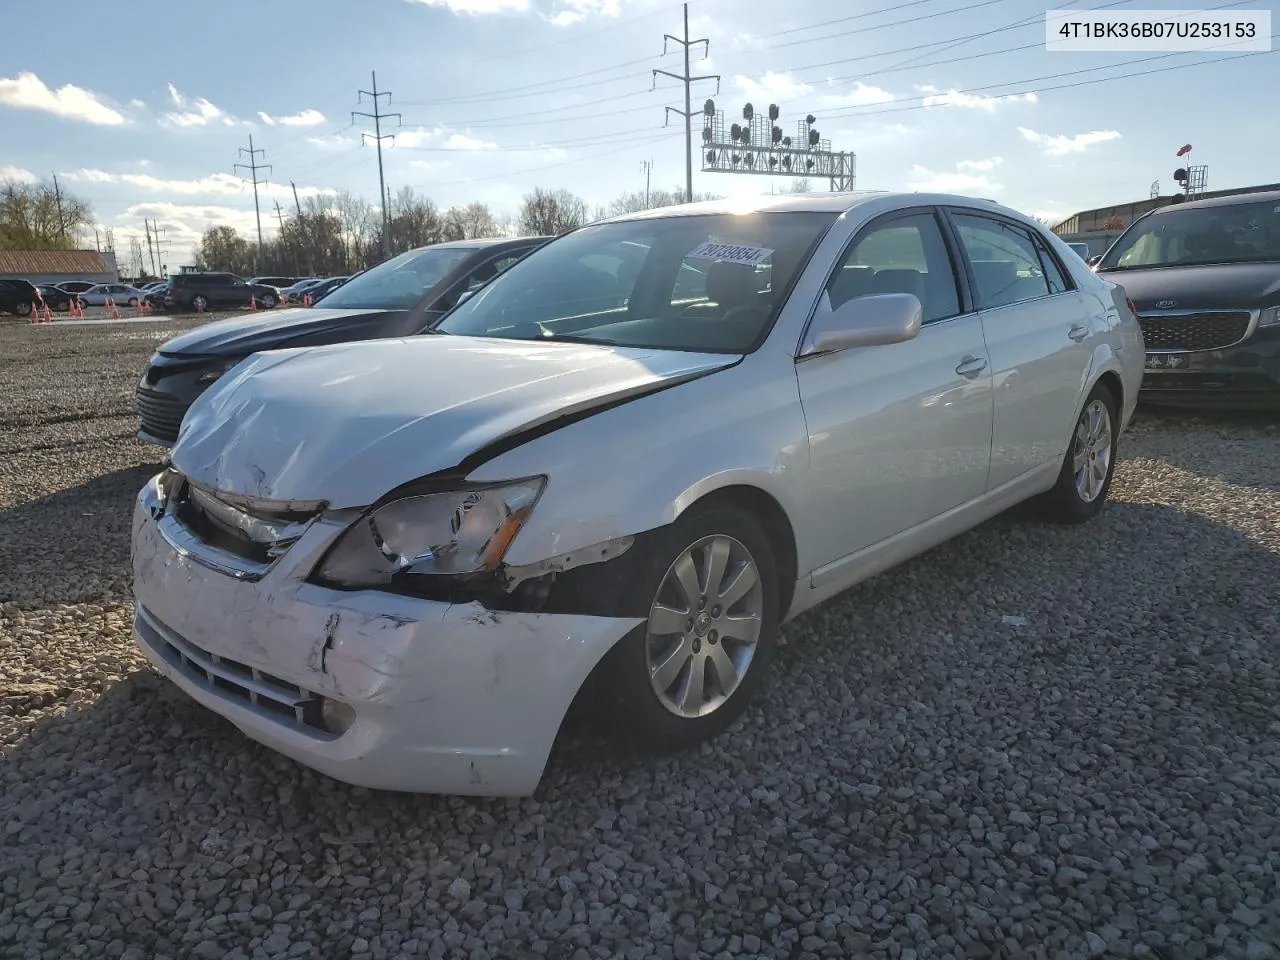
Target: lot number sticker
{"x": 731, "y": 252}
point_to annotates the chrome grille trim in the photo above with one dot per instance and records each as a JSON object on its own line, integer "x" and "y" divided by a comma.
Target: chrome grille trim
{"x": 266, "y": 695}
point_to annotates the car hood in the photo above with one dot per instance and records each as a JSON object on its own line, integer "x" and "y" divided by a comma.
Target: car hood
{"x": 1215, "y": 286}
{"x": 252, "y": 332}
{"x": 349, "y": 423}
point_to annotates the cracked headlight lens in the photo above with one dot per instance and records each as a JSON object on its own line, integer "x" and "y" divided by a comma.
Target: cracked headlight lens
{"x": 453, "y": 533}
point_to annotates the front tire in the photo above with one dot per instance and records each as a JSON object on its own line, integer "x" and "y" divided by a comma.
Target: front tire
{"x": 710, "y": 587}
{"x": 199, "y": 304}
{"x": 22, "y": 309}
{"x": 268, "y": 302}
{"x": 1090, "y": 462}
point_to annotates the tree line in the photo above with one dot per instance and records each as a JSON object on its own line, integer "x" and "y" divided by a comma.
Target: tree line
{"x": 339, "y": 234}
{"x": 41, "y": 216}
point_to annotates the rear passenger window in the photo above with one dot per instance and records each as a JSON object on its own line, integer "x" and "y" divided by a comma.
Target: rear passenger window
{"x": 903, "y": 255}
{"x": 1006, "y": 265}
{"x": 1058, "y": 282}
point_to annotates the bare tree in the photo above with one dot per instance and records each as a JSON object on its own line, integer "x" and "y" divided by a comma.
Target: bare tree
{"x": 799, "y": 186}
{"x": 36, "y": 216}
{"x": 635, "y": 201}
{"x": 552, "y": 212}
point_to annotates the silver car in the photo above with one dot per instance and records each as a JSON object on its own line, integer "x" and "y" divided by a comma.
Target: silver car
{"x": 630, "y": 457}
{"x": 122, "y": 295}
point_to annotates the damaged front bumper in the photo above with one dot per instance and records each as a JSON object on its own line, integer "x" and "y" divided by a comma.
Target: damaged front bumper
{"x": 436, "y": 697}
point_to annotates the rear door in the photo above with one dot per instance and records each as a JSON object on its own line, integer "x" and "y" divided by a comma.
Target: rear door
{"x": 1038, "y": 331}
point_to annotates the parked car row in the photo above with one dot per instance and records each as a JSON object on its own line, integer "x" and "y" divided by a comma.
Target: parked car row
{"x": 21, "y": 297}
{"x": 614, "y": 463}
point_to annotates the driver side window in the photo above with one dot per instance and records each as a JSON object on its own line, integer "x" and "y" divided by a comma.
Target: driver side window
{"x": 901, "y": 255}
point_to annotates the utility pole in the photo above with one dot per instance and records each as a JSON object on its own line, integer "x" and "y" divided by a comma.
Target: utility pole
{"x": 161, "y": 244}
{"x": 377, "y": 117}
{"x": 57, "y": 199}
{"x": 283, "y": 239}
{"x": 253, "y": 166}
{"x": 648, "y": 169}
{"x": 146, "y": 225}
{"x": 302, "y": 227}
{"x": 688, "y": 82}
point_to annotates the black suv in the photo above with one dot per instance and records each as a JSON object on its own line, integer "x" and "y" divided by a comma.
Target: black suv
{"x": 19, "y": 297}
{"x": 1205, "y": 279}
{"x": 213, "y": 291}
{"x": 280, "y": 283}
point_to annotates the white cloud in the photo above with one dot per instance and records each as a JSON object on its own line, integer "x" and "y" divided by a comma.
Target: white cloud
{"x": 17, "y": 175}
{"x": 440, "y": 138}
{"x": 216, "y": 184}
{"x": 29, "y": 92}
{"x": 951, "y": 181}
{"x": 194, "y": 113}
{"x": 570, "y": 12}
{"x": 335, "y": 142}
{"x": 1061, "y": 145}
{"x": 479, "y": 6}
{"x": 307, "y": 118}
{"x": 1053, "y": 217}
{"x": 138, "y": 104}
{"x": 971, "y": 101}
{"x": 981, "y": 165}
{"x": 862, "y": 95}
{"x": 771, "y": 87}
{"x": 184, "y": 224}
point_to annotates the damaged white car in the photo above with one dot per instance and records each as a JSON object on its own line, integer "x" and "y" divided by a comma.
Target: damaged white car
{"x": 628, "y": 459}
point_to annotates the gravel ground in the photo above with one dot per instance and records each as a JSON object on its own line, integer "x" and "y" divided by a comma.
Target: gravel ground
{"x": 1033, "y": 742}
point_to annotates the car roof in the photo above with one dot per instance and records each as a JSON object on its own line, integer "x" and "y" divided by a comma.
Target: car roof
{"x": 836, "y": 202}
{"x": 1236, "y": 199}
{"x": 479, "y": 243}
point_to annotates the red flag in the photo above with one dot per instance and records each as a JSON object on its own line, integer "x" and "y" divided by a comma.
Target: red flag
{"x": 1185, "y": 149}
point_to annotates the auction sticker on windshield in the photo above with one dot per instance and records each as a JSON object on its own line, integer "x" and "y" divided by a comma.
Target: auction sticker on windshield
{"x": 731, "y": 252}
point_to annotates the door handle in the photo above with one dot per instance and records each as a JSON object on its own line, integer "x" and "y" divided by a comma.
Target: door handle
{"x": 1078, "y": 332}
{"x": 971, "y": 366}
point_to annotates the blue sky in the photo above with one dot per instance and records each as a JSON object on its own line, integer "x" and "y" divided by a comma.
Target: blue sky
{"x": 499, "y": 96}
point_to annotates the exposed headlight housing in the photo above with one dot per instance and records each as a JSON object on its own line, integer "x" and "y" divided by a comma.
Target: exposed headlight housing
{"x": 1270, "y": 317}
{"x": 454, "y": 534}
{"x": 215, "y": 373}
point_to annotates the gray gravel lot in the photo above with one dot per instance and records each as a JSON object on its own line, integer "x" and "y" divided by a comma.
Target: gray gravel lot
{"x": 1098, "y": 775}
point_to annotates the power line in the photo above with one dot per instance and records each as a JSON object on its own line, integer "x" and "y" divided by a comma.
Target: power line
{"x": 378, "y": 136}
{"x": 688, "y": 82}
{"x": 253, "y": 167}
{"x": 1067, "y": 86}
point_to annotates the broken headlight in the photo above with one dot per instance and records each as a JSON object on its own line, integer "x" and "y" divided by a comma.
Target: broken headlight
{"x": 453, "y": 533}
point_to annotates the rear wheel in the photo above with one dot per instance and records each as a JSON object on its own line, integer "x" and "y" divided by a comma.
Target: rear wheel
{"x": 22, "y": 309}
{"x": 1085, "y": 478}
{"x": 268, "y": 302}
{"x": 711, "y": 593}
{"x": 199, "y": 303}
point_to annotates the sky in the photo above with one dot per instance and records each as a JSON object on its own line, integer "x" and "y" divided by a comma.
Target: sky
{"x": 496, "y": 97}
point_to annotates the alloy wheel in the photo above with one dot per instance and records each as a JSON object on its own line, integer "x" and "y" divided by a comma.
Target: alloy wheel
{"x": 704, "y": 626}
{"x": 1091, "y": 452}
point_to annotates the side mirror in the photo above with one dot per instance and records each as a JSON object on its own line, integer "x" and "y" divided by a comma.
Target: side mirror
{"x": 871, "y": 321}
{"x": 464, "y": 294}
{"x": 1094, "y": 260}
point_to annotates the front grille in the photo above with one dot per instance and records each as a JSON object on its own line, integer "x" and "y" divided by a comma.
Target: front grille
{"x": 1194, "y": 331}
{"x": 260, "y": 534}
{"x": 269, "y": 696}
{"x": 161, "y": 413}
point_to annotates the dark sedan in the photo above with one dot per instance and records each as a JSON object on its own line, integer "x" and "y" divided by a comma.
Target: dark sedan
{"x": 1205, "y": 279}
{"x": 55, "y": 298}
{"x": 323, "y": 288}
{"x": 398, "y": 298}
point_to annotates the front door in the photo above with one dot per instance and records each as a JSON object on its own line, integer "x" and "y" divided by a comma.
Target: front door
{"x": 901, "y": 433}
{"x": 1038, "y": 330}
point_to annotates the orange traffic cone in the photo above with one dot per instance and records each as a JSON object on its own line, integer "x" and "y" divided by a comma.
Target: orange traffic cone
{"x": 137, "y": 308}
{"x": 115, "y": 311}
{"x": 253, "y": 302}
{"x": 48, "y": 315}
{"x": 306, "y": 300}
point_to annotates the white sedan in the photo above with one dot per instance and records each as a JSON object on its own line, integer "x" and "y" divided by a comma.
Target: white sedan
{"x": 122, "y": 295}
{"x": 627, "y": 460}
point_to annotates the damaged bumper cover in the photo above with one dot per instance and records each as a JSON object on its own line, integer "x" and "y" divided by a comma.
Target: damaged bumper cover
{"x": 441, "y": 697}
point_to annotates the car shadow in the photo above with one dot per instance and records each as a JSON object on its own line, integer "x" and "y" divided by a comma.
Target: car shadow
{"x": 80, "y": 536}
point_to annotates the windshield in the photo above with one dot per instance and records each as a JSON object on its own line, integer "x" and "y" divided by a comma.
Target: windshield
{"x": 1231, "y": 234}
{"x": 400, "y": 282}
{"x": 708, "y": 283}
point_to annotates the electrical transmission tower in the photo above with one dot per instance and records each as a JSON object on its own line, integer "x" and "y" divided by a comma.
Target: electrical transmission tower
{"x": 688, "y": 82}
{"x": 253, "y": 166}
{"x": 377, "y": 137}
